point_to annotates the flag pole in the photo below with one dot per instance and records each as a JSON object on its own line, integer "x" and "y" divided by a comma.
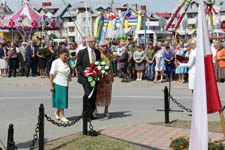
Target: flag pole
{"x": 222, "y": 121}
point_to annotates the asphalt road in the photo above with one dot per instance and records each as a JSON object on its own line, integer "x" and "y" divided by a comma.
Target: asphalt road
{"x": 132, "y": 103}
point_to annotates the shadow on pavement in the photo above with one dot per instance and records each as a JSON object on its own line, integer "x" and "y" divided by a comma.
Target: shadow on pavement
{"x": 141, "y": 145}
{"x": 114, "y": 115}
{"x": 72, "y": 118}
{"x": 26, "y": 145}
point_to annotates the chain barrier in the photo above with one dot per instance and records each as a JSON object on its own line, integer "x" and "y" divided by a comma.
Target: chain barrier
{"x": 2, "y": 145}
{"x": 92, "y": 132}
{"x": 12, "y": 146}
{"x": 35, "y": 136}
{"x": 183, "y": 107}
{"x": 180, "y": 105}
{"x": 70, "y": 123}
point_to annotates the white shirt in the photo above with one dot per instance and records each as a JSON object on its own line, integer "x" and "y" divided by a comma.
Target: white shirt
{"x": 22, "y": 51}
{"x": 119, "y": 51}
{"x": 191, "y": 62}
{"x": 213, "y": 49}
{"x": 15, "y": 55}
{"x": 60, "y": 72}
{"x": 89, "y": 54}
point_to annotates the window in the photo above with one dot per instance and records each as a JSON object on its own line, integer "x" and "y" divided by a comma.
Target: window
{"x": 64, "y": 29}
{"x": 222, "y": 13}
{"x": 192, "y": 15}
{"x": 84, "y": 19}
{"x": 65, "y": 19}
{"x": 71, "y": 29}
{"x": 84, "y": 29}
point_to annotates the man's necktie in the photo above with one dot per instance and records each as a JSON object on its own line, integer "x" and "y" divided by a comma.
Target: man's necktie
{"x": 93, "y": 56}
{"x": 32, "y": 50}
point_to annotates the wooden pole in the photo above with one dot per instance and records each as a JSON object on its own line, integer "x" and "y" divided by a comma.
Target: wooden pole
{"x": 222, "y": 121}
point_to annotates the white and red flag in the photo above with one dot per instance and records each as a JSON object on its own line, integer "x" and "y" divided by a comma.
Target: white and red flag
{"x": 206, "y": 96}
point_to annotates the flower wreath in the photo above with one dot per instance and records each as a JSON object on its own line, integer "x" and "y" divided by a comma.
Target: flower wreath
{"x": 97, "y": 70}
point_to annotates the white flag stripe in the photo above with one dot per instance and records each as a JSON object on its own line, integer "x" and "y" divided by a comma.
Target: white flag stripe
{"x": 205, "y": 36}
{"x": 199, "y": 126}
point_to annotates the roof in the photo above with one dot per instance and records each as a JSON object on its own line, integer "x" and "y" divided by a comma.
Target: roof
{"x": 165, "y": 15}
{"x": 27, "y": 11}
{"x": 219, "y": 3}
{"x": 71, "y": 13}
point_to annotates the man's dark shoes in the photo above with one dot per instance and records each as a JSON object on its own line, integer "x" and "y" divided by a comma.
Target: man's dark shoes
{"x": 93, "y": 117}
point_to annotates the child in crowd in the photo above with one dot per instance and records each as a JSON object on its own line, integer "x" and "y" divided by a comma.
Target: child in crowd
{"x": 159, "y": 67}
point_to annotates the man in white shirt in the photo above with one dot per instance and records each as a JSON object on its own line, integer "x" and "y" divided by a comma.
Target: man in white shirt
{"x": 86, "y": 57}
{"x": 22, "y": 58}
{"x": 214, "y": 48}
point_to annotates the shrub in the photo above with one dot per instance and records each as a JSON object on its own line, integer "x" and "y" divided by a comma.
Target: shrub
{"x": 182, "y": 143}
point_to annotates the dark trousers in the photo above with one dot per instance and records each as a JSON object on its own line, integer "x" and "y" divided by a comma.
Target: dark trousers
{"x": 123, "y": 72}
{"x": 22, "y": 67}
{"x": 30, "y": 65}
{"x": 89, "y": 103}
{"x": 48, "y": 68}
{"x": 12, "y": 66}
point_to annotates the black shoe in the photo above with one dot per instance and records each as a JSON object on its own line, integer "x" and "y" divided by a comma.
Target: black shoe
{"x": 93, "y": 117}
{"x": 9, "y": 76}
{"x": 124, "y": 80}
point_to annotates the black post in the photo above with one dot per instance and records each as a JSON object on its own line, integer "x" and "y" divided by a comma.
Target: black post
{"x": 166, "y": 101}
{"x": 85, "y": 116}
{"x": 41, "y": 127}
{"x": 10, "y": 142}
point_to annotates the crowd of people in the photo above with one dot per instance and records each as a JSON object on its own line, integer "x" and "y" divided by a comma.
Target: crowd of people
{"x": 157, "y": 63}
{"x": 60, "y": 62}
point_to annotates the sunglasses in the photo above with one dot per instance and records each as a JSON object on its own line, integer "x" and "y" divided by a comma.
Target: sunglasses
{"x": 104, "y": 46}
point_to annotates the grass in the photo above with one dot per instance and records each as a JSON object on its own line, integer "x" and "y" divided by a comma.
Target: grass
{"x": 80, "y": 142}
{"x": 212, "y": 125}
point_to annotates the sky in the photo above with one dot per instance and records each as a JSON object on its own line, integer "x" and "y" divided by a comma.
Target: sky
{"x": 152, "y": 5}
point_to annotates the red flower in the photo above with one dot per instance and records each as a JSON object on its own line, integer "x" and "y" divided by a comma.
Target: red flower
{"x": 96, "y": 69}
{"x": 94, "y": 75}
{"x": 99, "y": 73}
{"x": 181, "y": 147}
{"x": 92, "y": 65}
{"x": 91, "y": 70}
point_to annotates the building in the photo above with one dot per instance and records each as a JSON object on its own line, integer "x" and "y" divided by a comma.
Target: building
{"x": 188, "y": 25}
{"x": 78, "y": 22}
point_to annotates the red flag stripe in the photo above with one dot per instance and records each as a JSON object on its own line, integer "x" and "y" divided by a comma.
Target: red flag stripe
{"x": 212, "y": 93}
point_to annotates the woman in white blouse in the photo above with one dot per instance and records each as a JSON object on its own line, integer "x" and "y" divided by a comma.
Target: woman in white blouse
{"x": 191, "y": 64}
{"x": 59, "y": 81}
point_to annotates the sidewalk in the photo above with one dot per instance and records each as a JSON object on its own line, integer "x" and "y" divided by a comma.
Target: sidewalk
{"x": 151, "y": 136}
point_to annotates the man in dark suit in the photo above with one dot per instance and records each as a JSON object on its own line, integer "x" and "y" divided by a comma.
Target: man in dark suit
{"x": 86, "y": 57}
{"x": 123, "y": 63}
{"x": 31, "y": 56}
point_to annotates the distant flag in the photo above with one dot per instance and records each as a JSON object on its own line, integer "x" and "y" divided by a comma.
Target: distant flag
{"x": 206, "y": 95}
